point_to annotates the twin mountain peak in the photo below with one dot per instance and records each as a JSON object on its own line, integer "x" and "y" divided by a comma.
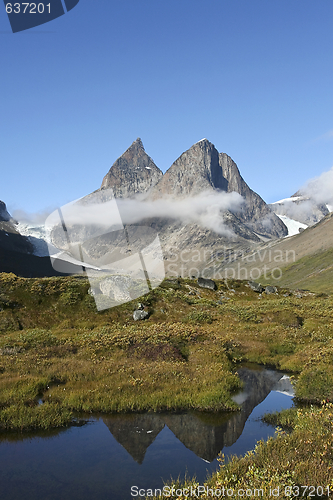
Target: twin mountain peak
{"x": 199, "y": 169}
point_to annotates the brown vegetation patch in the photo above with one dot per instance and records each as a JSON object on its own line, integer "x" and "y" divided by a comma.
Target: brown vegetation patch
{"x": 157, "y": 352}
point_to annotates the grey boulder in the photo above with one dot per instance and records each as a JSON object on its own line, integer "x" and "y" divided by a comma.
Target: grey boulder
{"x": 207, "y": 283}
{"x": 140, "y": 314}
{"x": 256, "y": 287}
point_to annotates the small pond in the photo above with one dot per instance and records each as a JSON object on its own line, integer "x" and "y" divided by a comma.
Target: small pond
{"x": 109, "y": 454}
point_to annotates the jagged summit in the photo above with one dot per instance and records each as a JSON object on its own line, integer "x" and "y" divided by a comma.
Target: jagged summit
{"x": 182, "y": 223}
{"x": 134, "y": 172}
{"x": 202, "y": 169}
{"x": 196, "y": 170}
{"x": 137, "y": 145}
{"x": 199, "y": 169}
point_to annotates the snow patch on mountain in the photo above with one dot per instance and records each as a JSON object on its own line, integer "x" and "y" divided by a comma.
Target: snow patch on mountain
{"x": 40, "y": 238}
{"x": 293, "y": 226}
{"x": 293, "y": 198}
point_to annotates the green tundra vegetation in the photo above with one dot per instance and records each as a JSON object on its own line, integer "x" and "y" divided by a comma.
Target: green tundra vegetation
{"x": 297, "y": 463}
{"x": 56, "y": 349}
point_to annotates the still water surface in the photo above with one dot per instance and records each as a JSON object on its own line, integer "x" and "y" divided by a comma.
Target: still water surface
{"x": 105, "y": 457}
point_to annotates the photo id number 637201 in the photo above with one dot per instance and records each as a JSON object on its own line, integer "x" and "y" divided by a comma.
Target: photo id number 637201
{"x": 28, "y": 8}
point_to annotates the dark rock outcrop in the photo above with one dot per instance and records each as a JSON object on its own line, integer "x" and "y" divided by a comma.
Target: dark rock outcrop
{"x": 16, "y": 251}
{"x": 10, "y": 238}
{"x": 207, "y": 283}
{"x": 133, "y": 173}
{"x": 255, "y": 287}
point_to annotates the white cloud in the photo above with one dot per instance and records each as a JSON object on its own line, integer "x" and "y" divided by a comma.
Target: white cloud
{"x": 30, "y": 218}
{"x": 99, "y": 213}
{"x": 204, "y": 209}
{"x": 320, "y": 189}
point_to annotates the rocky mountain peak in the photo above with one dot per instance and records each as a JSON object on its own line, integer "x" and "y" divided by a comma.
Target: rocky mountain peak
{"x": 202, "y": 168}
{"x": 136, "y": 149}
{"x": 196, "y": 170}
{"x": 134, "y": 172}
{"x": 138, "y": 143}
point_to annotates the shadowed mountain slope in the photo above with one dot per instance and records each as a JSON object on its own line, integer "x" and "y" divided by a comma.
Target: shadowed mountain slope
{"x": 16, "y": 251}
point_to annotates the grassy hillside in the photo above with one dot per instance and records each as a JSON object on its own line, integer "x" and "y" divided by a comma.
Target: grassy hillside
{"x": 305, "y": 260}
{"x": 312, "y": 272}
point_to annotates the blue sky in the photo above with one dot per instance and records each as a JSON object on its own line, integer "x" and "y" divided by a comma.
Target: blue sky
{"x": 253, "y": 76}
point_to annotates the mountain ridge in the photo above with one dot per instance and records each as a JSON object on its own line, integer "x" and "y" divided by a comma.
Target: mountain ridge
{"x": 200, "y": 169}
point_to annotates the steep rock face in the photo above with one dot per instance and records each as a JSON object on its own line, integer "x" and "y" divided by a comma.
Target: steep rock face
{"x": 195, "y": 171}
{"x": 4, "y": 215}
{"x": 202, "y": 168}
{"x": 133, "y": 173}
{"x": 255, "y": 212}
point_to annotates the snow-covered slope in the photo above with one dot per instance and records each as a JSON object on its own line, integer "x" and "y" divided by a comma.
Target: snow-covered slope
{"x": 39, "y": 237}
{"x": 287, "y": 200}
{"x": 293, "y": 226}
{"x": 300, "y": 208}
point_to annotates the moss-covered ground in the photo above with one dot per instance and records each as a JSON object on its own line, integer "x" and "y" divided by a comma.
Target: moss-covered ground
{"x": 56, "y": 349}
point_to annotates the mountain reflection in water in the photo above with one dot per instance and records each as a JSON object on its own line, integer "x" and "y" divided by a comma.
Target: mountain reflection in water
{"x": 206, "y": 434}
{"x": 104, "y": 458}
